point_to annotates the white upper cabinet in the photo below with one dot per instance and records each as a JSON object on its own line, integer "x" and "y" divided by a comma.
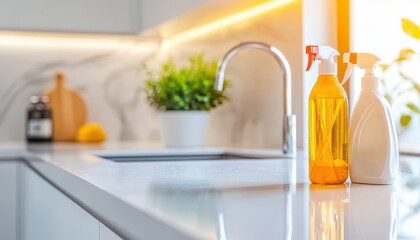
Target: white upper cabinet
{"x": 92, "y": 16}
{"x": 155, "y": 12}
{"x": 76, "y": 16}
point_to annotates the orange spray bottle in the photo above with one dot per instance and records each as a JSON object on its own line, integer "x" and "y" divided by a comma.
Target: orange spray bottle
{"x": 328, "y": 120}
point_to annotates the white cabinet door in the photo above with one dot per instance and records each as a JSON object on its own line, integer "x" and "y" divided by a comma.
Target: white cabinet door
{"x": 155, "y": 12}
{"x": 92, "y": 16}
{"x": 48, "y": 214}
{"x": 8, "y": 200}
{"x": 106, "y": 233}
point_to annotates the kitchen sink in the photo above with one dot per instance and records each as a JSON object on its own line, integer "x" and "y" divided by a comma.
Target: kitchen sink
{"x": 183, "y": 155}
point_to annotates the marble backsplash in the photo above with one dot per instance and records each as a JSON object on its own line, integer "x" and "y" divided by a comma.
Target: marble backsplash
{"x": 111, "y": 81}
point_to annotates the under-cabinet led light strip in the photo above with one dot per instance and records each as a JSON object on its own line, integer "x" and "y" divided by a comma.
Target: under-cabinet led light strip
{"x": 68, "y": 41}
{"x": 232, "y": 19}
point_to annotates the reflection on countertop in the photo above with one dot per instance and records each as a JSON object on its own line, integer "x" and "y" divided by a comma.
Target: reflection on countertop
{"x": 352, "y": 211}
{"x": 244, "y": 199}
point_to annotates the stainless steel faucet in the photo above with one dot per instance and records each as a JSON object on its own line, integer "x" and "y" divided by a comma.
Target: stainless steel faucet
{"x": 289, "y": 123}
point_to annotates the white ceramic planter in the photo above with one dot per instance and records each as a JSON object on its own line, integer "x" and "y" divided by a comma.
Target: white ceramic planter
{"x": 184, "y": 128}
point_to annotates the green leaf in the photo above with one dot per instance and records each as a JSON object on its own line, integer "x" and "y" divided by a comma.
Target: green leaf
{"x": 416, "y": 87}
{"x": 405, "y": 53}
{"x": 384, "y": 67}
{"x": 413, "y": 107}
{"x": 405, "y": 120}
{"x": 404, "y": 76}
{"x": 410, "y": 28}
{"x": 388, "y": 98}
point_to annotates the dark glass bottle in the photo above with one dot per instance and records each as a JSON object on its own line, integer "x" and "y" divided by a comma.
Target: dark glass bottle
{"x": 39, "y": 120}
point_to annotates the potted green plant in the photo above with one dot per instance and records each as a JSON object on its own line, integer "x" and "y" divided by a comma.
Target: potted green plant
{"x": 184, "y": 96}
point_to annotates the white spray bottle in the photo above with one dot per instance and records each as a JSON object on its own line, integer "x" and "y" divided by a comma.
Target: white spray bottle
{"x": 374, "y": 155}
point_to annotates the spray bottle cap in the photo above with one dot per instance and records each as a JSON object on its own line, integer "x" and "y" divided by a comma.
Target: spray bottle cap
{"x": 328, "y": 57}
{"x": 366, "y": 61}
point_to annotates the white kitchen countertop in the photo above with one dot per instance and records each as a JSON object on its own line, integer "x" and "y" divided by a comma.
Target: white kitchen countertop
{"x": 225, "y": 199}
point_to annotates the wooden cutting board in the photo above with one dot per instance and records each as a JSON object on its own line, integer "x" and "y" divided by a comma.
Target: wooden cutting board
{"x": 68, "y": 110}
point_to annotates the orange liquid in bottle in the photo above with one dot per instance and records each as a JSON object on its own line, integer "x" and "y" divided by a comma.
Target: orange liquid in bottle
{"x": 328, "y": 132}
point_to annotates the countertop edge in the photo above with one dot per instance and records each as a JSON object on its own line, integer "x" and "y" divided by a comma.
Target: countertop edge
{"x": 124, "y": 219}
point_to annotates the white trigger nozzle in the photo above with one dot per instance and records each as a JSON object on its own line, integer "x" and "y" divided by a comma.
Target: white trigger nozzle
{"x": 347, "y": 73}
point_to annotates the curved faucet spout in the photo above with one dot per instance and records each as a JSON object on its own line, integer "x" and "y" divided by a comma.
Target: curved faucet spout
{"x": 289, "y": 125}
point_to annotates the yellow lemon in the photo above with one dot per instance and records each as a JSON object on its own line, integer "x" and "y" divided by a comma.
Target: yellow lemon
{"x": 91, "y": 132}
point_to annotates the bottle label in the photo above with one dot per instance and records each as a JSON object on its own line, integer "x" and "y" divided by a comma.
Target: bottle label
{"x": 40, "y": 128}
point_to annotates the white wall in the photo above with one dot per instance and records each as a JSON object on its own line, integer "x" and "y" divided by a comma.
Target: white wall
{"x": 106, "y": 74}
